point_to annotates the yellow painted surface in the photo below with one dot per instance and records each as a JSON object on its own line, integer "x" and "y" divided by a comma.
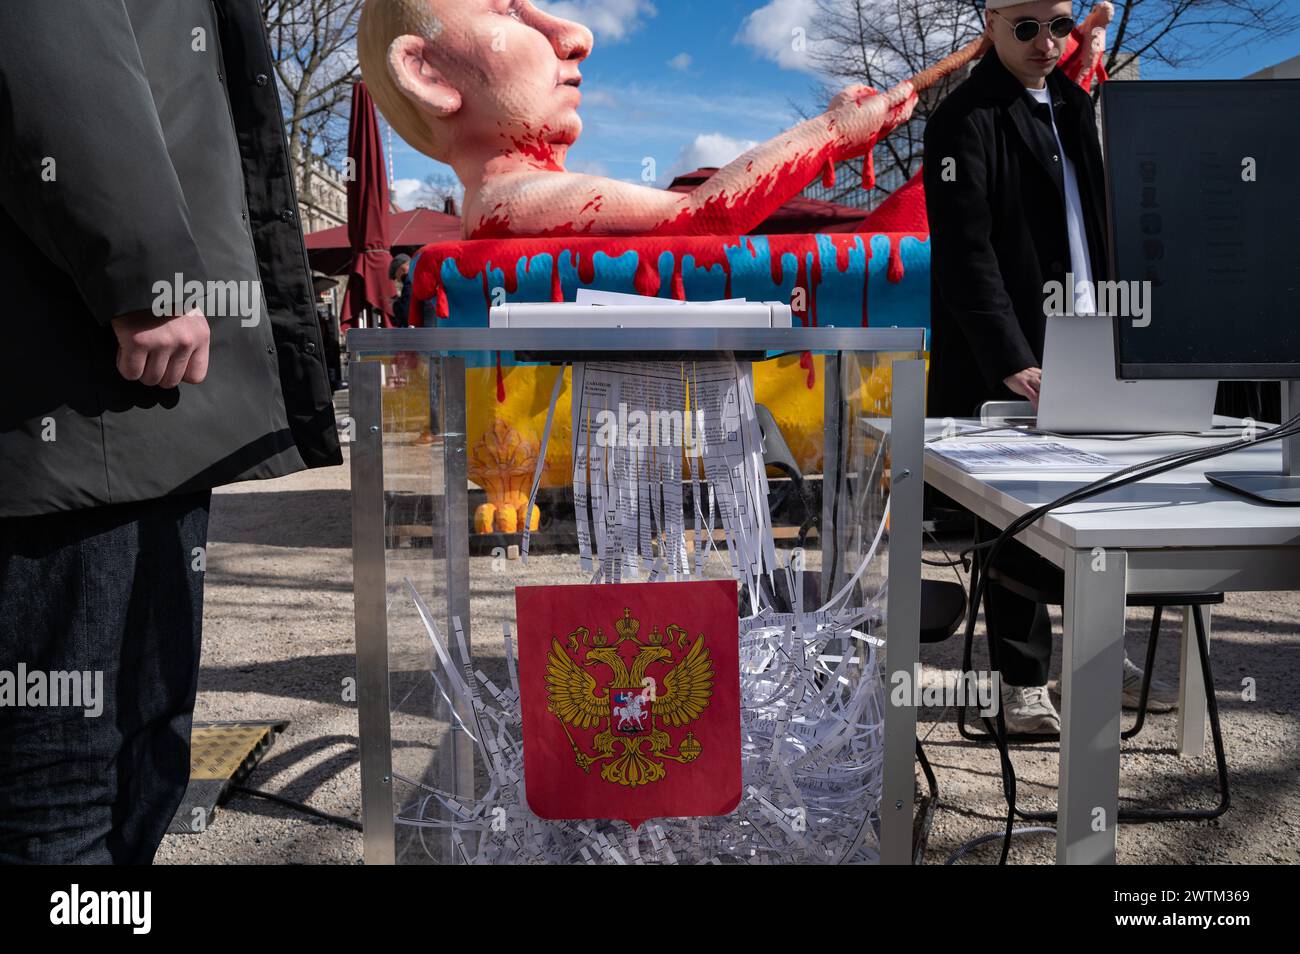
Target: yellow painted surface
{"x": 504, "y": 437}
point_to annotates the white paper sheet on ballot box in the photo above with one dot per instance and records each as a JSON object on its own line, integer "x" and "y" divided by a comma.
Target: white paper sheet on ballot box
{"x": 986, "y": 456}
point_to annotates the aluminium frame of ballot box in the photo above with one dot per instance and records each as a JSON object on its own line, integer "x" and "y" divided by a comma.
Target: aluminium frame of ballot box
{"x": 366, "y": 447}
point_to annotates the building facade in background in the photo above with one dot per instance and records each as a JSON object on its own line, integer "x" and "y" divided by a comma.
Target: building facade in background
{"x": 322, "y": 195}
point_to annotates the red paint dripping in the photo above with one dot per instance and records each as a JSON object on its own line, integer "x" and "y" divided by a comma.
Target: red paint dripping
{"x": 535, "y": 147}
{"x": 806, "y": 362}
{"x": 801, "y": 281}
{"x": 474, "y": 259}
{"x": 866, "y": 277}
{"x": 814, "y": 283}
{"x": 715, "y": 211}
{"x": 844, "y": 247}
{"x": 646, "y": 280}
{"x": 828, "y": 174}
{"x": 869, "y": 170}
{"x": 557, "y": 290}
{"x": 726, "y": 213}
{"x": 501, "y": 382}
{"x": 775, "y": 261}
{"x": 802, "y": 247}
{"x": 895, "y": 270}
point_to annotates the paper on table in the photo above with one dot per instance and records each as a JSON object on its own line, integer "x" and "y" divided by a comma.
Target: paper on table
{"x": 982, "y": 456}
{"x": 594, "y": 296}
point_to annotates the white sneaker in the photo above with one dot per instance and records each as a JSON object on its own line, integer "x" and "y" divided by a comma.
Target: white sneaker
{"x": 1028, "y": 710}
{"x": 1160, "y": 698}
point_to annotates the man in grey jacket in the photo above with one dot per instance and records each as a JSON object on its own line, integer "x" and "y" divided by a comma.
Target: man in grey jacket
{"x": 159, "y": 341}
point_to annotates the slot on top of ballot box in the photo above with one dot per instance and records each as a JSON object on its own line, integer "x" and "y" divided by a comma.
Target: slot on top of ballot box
{"x": 767, "y": 314}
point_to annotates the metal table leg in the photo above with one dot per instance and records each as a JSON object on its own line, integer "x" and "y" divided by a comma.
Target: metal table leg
{"x": 1091, "y": 664}
{"x": 1191, "y": 688}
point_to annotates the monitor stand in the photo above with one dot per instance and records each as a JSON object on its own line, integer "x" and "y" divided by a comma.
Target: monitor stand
{"x": 1282, "y": 488}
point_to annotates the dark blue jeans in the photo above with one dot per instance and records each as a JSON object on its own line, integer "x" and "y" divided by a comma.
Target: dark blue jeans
{"x": 114, "y": 590}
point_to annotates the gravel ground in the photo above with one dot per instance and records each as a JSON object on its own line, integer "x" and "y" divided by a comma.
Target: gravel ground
{"x": 1253, "y": 635}
{"x": 278, "y": 644}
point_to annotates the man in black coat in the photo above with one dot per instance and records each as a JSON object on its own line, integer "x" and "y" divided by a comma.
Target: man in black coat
{"x": 1014, "y": 192}
{"x": 160, "y": 340}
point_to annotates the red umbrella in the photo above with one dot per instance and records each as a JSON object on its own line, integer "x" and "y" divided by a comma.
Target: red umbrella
{"x": 368, "y": 283}
{"x": 330, "y": 250}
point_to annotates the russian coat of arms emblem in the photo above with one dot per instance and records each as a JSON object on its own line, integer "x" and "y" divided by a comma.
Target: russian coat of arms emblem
{"x": 635, "y": 688}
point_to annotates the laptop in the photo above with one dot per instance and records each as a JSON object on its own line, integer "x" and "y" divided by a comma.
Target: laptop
{"x": 1080, "y": 394}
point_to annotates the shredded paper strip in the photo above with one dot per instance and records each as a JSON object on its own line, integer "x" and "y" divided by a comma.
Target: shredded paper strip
{"x": 812, "y": 702}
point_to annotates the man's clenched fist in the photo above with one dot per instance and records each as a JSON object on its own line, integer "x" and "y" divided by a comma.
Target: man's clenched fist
{"x": 162, "y": 351}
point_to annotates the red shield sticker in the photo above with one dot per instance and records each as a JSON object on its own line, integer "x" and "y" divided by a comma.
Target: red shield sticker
{"x": 631, "y": 699}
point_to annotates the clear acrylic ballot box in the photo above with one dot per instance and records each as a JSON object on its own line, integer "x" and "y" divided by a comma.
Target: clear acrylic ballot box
{"x": 487, "y": 461}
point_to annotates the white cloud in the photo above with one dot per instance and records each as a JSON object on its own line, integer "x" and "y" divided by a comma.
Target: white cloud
{"x": 682, "y": 61}
{"x": 423, "y": 194}
{"x": 609, "y": 20}
{"x": 658, "y": 109}
{"x": 779, "y": 31}
{"x": 708, "y": 149}
{"x": 408, "y": 192}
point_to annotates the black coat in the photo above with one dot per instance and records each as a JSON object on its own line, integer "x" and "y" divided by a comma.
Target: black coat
{"x": 402, "y": 303}
{"x": 997, "y": 228}
{"x": 140, "y": 140}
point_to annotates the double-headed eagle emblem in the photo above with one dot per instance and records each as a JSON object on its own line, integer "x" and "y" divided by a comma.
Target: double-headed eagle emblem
{"x": 631, "y": 709}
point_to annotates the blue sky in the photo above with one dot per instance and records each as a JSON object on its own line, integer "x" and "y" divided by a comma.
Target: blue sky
{"x": 696, "y": 83}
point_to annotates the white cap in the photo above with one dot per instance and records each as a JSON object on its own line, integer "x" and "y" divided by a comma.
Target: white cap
{"x": 1003, "y": 4}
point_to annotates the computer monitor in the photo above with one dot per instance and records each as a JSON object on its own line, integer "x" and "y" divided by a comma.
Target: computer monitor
{"x": 1203, "y": 201}
{"x": 1203, "y": 207}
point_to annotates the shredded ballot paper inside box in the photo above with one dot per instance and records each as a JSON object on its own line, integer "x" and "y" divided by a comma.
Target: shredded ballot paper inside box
{"x": 666, "y": 707}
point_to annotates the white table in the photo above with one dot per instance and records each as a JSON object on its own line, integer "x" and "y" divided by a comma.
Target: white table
{"x": 1175, "y": 532}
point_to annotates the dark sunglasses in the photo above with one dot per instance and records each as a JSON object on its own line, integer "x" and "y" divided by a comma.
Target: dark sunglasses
{"x": 1026, "y": 30}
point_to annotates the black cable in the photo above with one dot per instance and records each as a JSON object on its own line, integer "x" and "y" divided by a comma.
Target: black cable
{"x": 1132, "y": 474}
{"x": 930, "y": 780}
{"x": 927, "y": 817}
{"x": 297, "y": 806}
{"x": 1102, "y": 484}
{"x": 1214, "y": 432}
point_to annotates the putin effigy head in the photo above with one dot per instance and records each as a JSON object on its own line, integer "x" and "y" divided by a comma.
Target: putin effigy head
{"x": 460, "y": 79}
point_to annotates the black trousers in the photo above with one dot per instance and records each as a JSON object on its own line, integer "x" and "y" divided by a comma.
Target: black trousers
{"x": 113, "y": 594}
{"x": 1020, "y": 627}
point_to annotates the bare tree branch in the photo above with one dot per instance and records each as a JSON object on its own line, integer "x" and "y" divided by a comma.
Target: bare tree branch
{"x": 882, "y": 42}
